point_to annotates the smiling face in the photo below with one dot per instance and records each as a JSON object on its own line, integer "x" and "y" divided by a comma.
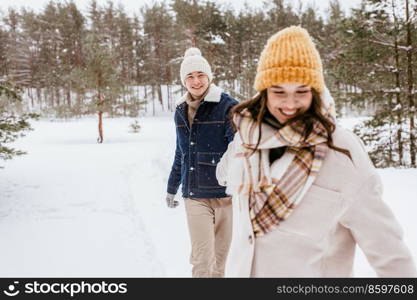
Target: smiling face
{"x": 196, "y": 84}
{"x": 287, "y": 100}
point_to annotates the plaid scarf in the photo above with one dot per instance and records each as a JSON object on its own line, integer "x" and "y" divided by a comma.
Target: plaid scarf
{"x": 272, "y": 199}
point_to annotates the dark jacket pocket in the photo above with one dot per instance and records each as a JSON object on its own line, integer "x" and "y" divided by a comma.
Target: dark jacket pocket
{"x": 206, "y": 169}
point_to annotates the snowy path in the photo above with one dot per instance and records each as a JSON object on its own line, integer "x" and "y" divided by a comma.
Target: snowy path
{"x": 72, "y": 207}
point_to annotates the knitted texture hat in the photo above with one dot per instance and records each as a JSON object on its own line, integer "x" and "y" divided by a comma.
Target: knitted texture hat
{"x": 194, "y": 62}
{"x": 290, "y": 56}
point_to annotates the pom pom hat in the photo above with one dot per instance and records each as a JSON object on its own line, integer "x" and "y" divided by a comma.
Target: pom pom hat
{"x": 194, "y": 62}
{"x": 290, "y": 56}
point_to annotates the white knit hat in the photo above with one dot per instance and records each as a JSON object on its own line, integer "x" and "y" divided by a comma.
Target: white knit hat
{"x": 194, "y": 62}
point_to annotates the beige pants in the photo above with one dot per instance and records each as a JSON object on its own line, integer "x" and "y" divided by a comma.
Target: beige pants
{"x": 210, "y": 227}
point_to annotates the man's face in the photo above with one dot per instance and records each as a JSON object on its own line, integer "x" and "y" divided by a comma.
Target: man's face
{"x": 196, "y": 83}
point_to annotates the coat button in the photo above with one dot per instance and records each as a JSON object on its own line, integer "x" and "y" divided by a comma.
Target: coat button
{"x": 191, "y": 169}
{"x": 192, "y": 143}
{"x": 250, "y": 239}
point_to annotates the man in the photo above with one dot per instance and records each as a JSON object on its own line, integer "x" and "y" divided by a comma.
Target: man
{"x": 204, "y": 130}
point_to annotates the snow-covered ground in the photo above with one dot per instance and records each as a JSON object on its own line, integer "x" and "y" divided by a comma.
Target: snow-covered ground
{"x": 75, "y": 208}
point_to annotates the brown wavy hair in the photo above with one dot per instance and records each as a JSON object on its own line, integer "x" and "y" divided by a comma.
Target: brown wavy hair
{"x": 258, "y": 109}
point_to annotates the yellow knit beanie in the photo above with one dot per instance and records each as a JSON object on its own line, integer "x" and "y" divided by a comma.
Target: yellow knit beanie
{"x": 290, "y": 56}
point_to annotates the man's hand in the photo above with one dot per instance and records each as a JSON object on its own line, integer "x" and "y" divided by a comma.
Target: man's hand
{"x": 171, "y": 202}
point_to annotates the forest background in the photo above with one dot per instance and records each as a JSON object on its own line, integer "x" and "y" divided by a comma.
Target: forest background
{"x": 60, "y": 62}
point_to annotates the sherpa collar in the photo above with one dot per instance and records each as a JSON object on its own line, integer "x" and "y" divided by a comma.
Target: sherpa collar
{"x": 214, "y": 94}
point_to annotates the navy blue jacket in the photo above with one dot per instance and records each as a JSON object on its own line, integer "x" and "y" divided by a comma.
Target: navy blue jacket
{"x": 200, "y": 147}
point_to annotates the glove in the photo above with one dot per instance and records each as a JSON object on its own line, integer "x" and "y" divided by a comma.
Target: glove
{"x": 171, "y": 202}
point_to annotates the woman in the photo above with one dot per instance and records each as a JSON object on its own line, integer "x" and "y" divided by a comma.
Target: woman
{"x": 304, "y": 190}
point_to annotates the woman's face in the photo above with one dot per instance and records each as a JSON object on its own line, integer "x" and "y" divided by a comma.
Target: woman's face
{"x": 287, "y": 100}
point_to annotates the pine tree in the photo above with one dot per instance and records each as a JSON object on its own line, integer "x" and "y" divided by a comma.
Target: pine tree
{"x": 101, "y": 77}
{"x": 12, "y": 126}
{"x": 158, "y": 24}
{"x": 70, "y": 64}
{"x": 3, "y": 50}
{"x": 389, "y": 86}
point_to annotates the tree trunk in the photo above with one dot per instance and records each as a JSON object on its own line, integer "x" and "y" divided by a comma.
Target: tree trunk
{"x": 399, "y": 109}
{"x": 153, "y": 100}
{"x": 410, "y": 95}
{"x": 169, "y": 95}
{"x": 68, "y": 97}
{"x": 52, "y": 95}
{"x": 159, "y": 91}
{"x": 391, "y": 122}
{"x": 100, "y": 127}
{"x": 100, "y": 112}
{"x": 124, "y": 100}
{"x": 58, "y": 95}
{"x": 100, "y": 120}
{"x": 30, "y": 92}
{"x": 146, "y": 98}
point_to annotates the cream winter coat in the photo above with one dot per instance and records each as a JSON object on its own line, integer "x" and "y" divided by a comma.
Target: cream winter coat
{"x": 342, "y": 207}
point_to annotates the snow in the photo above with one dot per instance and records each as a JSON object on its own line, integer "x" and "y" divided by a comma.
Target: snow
{"x": 73, "y": 207}
{"x": 397, "y": 107}
{"x": 351, "y": 122}
{"x": 217, "y": 39}
{"x": 396, "y": 90}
